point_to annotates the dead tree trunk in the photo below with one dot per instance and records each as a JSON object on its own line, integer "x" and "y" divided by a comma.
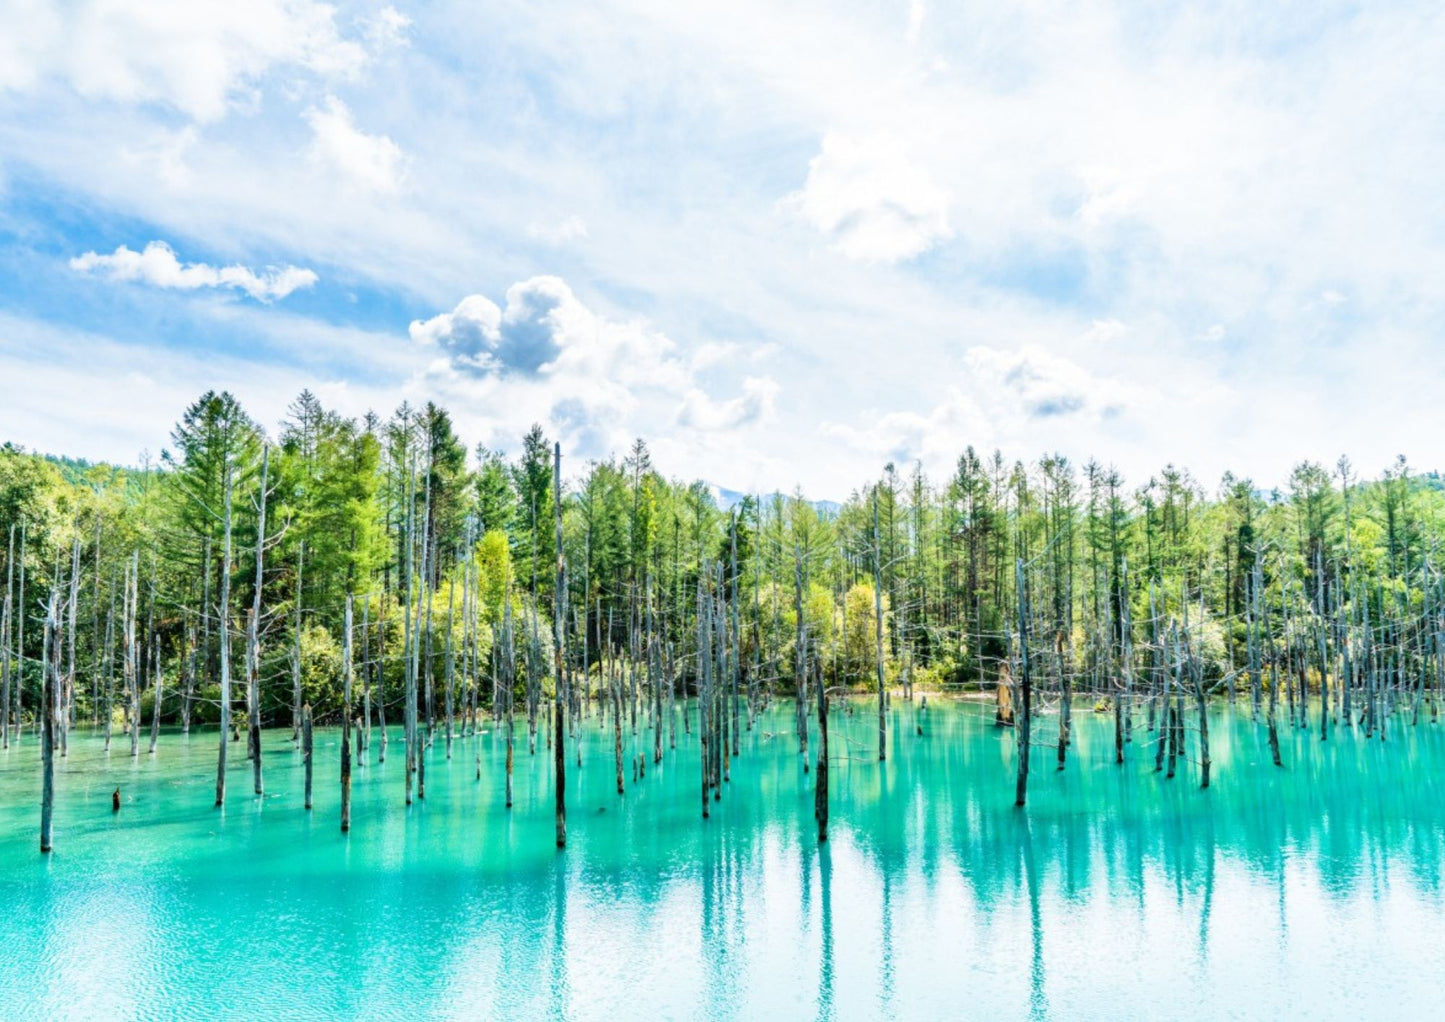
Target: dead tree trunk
{"x": 158, "y": 694}
{"x": 559, "y": 639}
{"x": 820, "y": 780}
{"x": 1025, "y": 709}
{"x": 225, "y": 633}
{"x": 49, "y": 697}
{"x": 346, "y": 722}
{"x": 306, "y": 749}
{"x": 878, "y": 636}
{"x": 253, "y": 636}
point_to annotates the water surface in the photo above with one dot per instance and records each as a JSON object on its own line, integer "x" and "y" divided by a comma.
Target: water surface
{"x": 1312, "y": 891}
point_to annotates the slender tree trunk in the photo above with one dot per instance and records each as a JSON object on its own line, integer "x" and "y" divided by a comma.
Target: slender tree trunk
{"x": 225, "y": 635}
{"x": 1023, "y": 717}
{"x": 820, "y": 780}
{"x": 296, "y": 648}
{"x": 7, "y": 660}
{"x": 346, "y": 674}
{"x": 49, "y": 693}
{"x": 559, "y": 639}
{"x": 159, "y": 695}
{"x": 306, "y": 750}
{"x": 132, "y": 656}
{"x": 253, "y": 635}
{"x": 878, "y": 637}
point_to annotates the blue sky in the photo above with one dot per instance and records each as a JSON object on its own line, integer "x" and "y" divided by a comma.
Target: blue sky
{"x": 784, "y": 242}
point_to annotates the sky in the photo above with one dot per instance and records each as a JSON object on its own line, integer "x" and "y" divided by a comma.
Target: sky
{"x": 784, "y": 242}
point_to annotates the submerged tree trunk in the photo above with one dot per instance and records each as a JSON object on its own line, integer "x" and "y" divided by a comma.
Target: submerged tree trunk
{"x": 820, "y": 791}
{"x": 132, "y": 656}
{"x": 346, "y": 722}
{"x": 253, "y": 636}
{"x": 559, "y": 639}
{"x": 225, "y": 633}
{"x": 1022, "y": 718}
{"x": 878, "y": 636}
{"x": 49, "y": 693}
{"x": 159, "y": 698}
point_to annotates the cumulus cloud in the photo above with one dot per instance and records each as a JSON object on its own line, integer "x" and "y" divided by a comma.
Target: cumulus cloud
{"x": 871, "y": 201}
{"x": 158, "y": 266}
{"x": 699, "y": 411}
{"x": 199, "y": 62}
{"x": 372, "y": 162}
{"x": 1042, "y": 385}
{"x": 544, "y": 355}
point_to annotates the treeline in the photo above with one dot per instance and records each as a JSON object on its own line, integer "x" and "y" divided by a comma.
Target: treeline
{"x": 233, "y": 557}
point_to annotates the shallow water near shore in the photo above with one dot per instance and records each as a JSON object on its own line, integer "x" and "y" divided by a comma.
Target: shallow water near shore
{"x": 1311, "y": 891}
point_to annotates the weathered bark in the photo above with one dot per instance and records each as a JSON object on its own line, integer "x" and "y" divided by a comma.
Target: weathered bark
{"x": 253, "y": 636}
{"x": 559, "y": 640}
{"x": 1023, "y": 716}
{"x": 224, "y": 618}
{"x": 820, "y": 779}
{"x": 132, "y": 656}
{"x": 159, "y": 695}
{"x": 7, "y": 661}
{"x": 306, "y": 749}
{"x": 800, "y": 661}
{"x": 49, "y": 699}
{"x": 296, "y": 648}
{"x": 110, "y": 667}
{"x": 878, "y": 636}
{"x": 346, "y": 721}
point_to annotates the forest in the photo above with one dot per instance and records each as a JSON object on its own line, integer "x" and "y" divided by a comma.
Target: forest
{"x": 365, "y": 572}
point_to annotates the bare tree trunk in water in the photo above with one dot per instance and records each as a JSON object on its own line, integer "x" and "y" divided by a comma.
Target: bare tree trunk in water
{"x": 5, "y": 656}
{"x": 1025, "y": 710}
{"x": 296, "y": 648}
{"x": 253, "y": 638}
{"x": 225, "y": 630}
{"x": 306, "y": 749}
{"x": 820, "y": 791}
{"x": 878, "y": 636}
{"x": 346, "y": 722}
{"x": 253, "y": 704}
{"x": 1273, "y": 702}
{"x": 559, "y": 639}
{"x": 132, "y": 655}
{"x": 617, "y": 728}
{"x": 49, "y": 696}
{"x": 109, "y": 667}
{"x": 159, "y": 698}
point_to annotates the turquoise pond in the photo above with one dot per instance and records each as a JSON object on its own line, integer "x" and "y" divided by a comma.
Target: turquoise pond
{"x": 1308, "y": 892}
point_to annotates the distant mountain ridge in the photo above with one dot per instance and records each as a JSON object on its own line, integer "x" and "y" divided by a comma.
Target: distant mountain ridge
{"x": 728, "y": 499}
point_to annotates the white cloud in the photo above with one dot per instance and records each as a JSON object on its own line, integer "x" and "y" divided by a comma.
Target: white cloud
{"x": 1041, "y": 385}
{"x": 372, "y": 162}
{"x": 871, "y": 200}
{"x": 1170, "y": 170}
{"x": 568, "y": 229}
{"x": 754, "y": 404}
{"x": 198, "y": 58}
{"x": 543, "y": 355}
{"x": 386, "y": 29}
{"x": 933, "y": 437}
{"x": 158, "y": 266}
{"x": 1103, "y": 331}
